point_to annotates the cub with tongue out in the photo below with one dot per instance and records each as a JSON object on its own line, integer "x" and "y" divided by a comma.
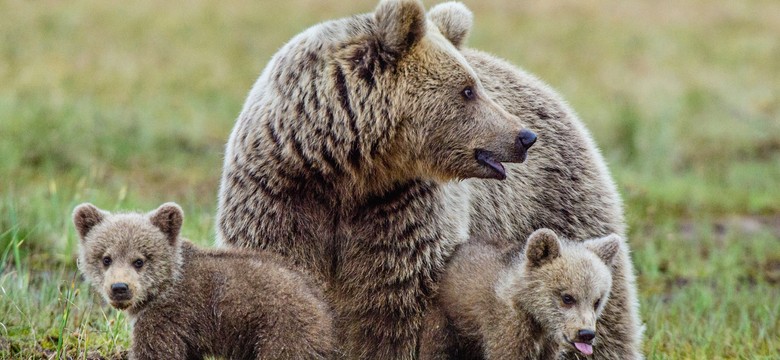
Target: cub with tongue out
{"x": 535, "y": 303}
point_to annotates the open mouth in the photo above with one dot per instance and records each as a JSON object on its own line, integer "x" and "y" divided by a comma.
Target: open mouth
{"x": 583, "y": 348}
{"x": 487, "y": 159}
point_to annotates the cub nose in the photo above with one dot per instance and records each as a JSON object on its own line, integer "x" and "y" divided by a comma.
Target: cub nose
{"x": 586, "y": 335}
{"x": 526, "y": 138}
{"x": 119, "y": 289}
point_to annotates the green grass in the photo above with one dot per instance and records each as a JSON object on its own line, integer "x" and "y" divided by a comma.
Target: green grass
{"x": 129, "y": 105}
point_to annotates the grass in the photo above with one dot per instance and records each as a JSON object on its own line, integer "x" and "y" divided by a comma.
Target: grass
{"x": 129, "y": 105}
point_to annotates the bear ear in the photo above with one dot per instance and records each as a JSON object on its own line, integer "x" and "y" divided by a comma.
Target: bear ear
{"x": 542, "y": 247}
{"x": 606, "y": 248}
{"x": 454, "y": 21}
{"x": 400, "y": 25}
{"x": 168, "y": 218}
{"x": 85, "y": 217}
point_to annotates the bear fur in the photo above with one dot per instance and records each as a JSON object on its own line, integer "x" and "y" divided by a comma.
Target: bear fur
{"x": 531, "y": 304}
{"x": 347, "y": 154}
{"x": 565, "y": 186}
{"x": 333, "y": 152}
{"x": 188, "y": 302}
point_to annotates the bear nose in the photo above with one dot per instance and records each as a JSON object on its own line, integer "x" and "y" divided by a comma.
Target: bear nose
{"x": 586, "y": 335}
{"x": 526, "y": 139}
{"x": 119, "y": 289}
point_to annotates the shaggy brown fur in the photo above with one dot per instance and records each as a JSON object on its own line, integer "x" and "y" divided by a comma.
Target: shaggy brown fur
{"x": 187, "y": 302}
{"x": 338, "y": 144}
{"x": 507, "y": 304}
{"x": 565, "y": 186}
{"x": 343, "y": 156}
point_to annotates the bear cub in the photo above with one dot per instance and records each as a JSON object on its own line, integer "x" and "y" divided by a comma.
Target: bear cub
{"x": 533, "y": 304}
{"x": 188, "y": 302}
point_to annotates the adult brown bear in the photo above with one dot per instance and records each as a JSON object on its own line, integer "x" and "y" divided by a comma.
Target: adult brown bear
{"x": 347, "y": 155}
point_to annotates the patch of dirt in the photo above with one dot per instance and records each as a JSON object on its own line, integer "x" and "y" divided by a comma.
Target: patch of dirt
{"x": 736, "y": 224}
{"x": 753, "y": 224}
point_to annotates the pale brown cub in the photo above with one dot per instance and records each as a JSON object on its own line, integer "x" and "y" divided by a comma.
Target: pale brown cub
{"x": 187, "y": 302}
{"x": 535, "y": 304}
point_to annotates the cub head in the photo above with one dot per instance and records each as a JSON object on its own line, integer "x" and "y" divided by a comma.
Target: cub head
{"x": 388, "y": 95}
{"x": 129, "y": 258}
{"x": 566, "y": 284}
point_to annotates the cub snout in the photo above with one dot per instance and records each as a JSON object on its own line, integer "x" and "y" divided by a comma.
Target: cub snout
{"x": 585, "y": 335}
{"x": 120, "y": 291}
{"x": 583, "y": 342}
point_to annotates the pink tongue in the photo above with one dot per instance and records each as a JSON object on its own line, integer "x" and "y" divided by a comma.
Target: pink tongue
{"x": 584, "y": 348}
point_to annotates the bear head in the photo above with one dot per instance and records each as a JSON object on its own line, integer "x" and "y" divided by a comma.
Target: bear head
{"x": 384, "y": 97}
{"x": 564, "y": 285}
{"x": 129, "y": 258}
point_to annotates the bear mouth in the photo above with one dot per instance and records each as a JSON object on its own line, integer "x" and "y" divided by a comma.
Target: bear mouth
{"x": 121, "y": 304}
{"x": 488, "y": 160}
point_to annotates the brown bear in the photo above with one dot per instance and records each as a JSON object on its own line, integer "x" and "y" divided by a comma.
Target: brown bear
{"x": 534, "y": 303}
{"x": 336, "y": 147}
{"x": 346, "y": 156}
{"x": 187, "y": 302}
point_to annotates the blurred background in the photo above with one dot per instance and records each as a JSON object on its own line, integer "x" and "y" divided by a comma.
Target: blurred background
{"x": 128, "y": 105}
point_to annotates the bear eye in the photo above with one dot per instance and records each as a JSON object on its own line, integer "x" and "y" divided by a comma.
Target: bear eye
{"x": 106, "y": 261}
{"x": 596, "y": 305}
{"x": 138, "y": 263}
{"x": 568, "y": 299}
{"x": 468, "y": 93}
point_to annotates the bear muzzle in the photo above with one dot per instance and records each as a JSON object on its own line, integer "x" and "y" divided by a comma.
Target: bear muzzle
{"x": 525, "y": 139}
{"x": 583, "y": 342}
{"x": 120, "y": 295}
{"x": 585, "y": 335}
{"x": 120, "y": 291}
{"x": 492, "y": 161}
{"x": 488, "y": 159}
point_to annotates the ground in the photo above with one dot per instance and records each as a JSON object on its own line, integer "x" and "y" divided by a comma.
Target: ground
{"x": 130, "y": 105}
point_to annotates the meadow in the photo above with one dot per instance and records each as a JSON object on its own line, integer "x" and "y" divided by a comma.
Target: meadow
{"x": 129, "y": 104}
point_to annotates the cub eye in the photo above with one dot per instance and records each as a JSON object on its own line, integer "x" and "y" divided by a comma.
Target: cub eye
{"x": 596, "y": 305}
{"x": 106, "y": 261}
{"x": 468, "y": 93}
{"x": 138, "y": 263}
{"x": 568, "y": 299}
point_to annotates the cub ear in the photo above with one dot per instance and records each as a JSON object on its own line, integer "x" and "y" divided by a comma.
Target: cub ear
{"x": 85, "y": 217}
{"x": 168, "y": 218}
{"x": 542, "y": 247}
{"x": 454, "y": 21}
{"x": 400, "y": 25}
{"x": 606, "y": 248}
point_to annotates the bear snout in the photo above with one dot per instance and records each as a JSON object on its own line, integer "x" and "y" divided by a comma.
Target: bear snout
{"x": 525, "y": 139}
{"x": 120, "y": 291}
{"x": 585, "y": 335}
